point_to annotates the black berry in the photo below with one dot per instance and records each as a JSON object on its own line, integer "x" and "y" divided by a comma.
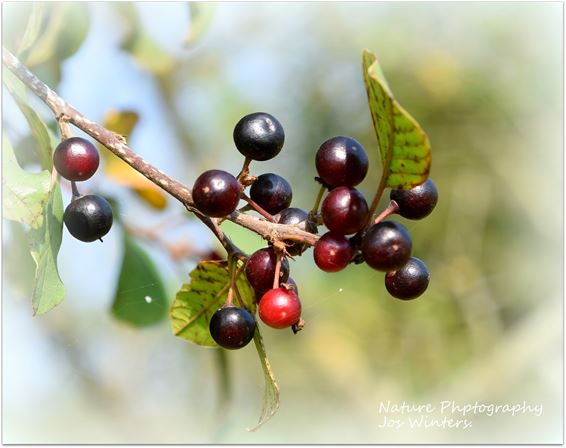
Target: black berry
{"x": 232, "y": 327}
{"x": 259, "y": 136}
{"x": 88, "y": 218}
{"x": 272, "y": 192}
{"x": 386, "y": 246}
{"x": 260, "y": 269}
{"x": 294, "y": 216}
{"x": 408, "y": 282}
{"x": 332, "y": 253}
{"x": 418, "y": 202}
{"x": 341, "y": 161}
{"x": 216, "y": 193}
{"x": 345, "y": 211}
{"x": 76, "y": 159}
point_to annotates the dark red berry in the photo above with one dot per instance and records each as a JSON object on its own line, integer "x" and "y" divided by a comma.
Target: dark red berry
{"x": 280, "y": 308}
{"x": 232, "y": 327}
{"x": 259, "y": 136}
{"x": 216, "y": 193}
{"x": 341, "y": 162}
{"x": 272, "y": 192}
{"x": 332, "y": 252}
{"x": 345, "y": 211}
{"x": 408, "y": 282}
{"x": 418, "y": 202}
{"x": 88, "y": 218}
{"x": 76, "y": 159}
{"x": 294, "y": 216}
{"x": 260, "y": 269}
{"x": 386, "y": 246}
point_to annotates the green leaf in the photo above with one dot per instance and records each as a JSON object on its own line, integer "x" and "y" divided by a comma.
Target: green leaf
{"x": 198, "y": 300}
{"x": 43, "y": 136}
{"x": 140, "y": 297}
{"x": 20, "y": 271}
{"x": 202, "y": 14}
{"x": 25, "y": 194}
{"x": 33, "y": 27}
{"x": 403, "y": 145}
{"x": 66, "y": 28}
{"x": 48, "y": 290}
{"x": 271, "y": 391}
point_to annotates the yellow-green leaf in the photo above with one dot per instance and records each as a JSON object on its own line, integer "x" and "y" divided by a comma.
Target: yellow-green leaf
{"x": 25, "y": 194}
{"x": 403, "y": 145}
{"x": 140, "y": 297}
{"x": 33, "y": 27}
{"x": 198, "y": 300}
{"x": 44, "y": 138}
{"x": 271, "y": 391}
{"x": 48, "y": 289}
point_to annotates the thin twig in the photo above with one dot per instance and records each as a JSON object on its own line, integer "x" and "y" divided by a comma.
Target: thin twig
{"x": 118, "y": 146}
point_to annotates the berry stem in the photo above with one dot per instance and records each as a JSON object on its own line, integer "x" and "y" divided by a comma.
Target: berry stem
{"x": 255, "y": 206}
{"x": 391, "y": 209}
{"x": 378, "y": 194}
{"x": 75, "y": 190}
{"x": 277, "y": 270}
{"x": 318, "y": 200}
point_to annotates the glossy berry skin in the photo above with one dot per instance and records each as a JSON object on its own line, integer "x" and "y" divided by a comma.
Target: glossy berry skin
{"x": 76, "y": 159}
{"x": 418, "y": 202}
{"x": 408, "y": 282}
{"x": 386, "y": 246}
{"x": 260, "y": 269}
{"x": 332, "y": 252}
{"x": 294, "y": 216}
{"x": 88, "y": 218}
{"x": 259, "y": 136}
{"x": 216, "y": 193}
{"x": 341, "y": 162}
{"x": 232, "y": 327}
{"x": 280, "y": 308}
{"x": 272, "y": 192}
{"x": 345, "y": 211}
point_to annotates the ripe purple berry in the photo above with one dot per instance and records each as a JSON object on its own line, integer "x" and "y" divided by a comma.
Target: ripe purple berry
{"x": 341, "y": 162}
{"x": 232, "y": 327}
{"x": 216, "y": 193}
{"x": 88, "y": 218}
{"x": 418, "y": 202}
{"x": 259, "y": 136}
{"x": 345, "y": 211}
{"x": 408, "y": 282}
{"x": 386, "y": 246}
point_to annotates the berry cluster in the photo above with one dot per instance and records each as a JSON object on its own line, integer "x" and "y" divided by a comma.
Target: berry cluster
{"x": 258, "y": 137}
{"x": 88, "y": 218}
{"x": 352, "y": 237}
{"x": 386, "y": 246}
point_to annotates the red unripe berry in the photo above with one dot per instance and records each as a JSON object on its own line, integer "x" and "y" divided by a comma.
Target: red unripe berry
{"x": 332, "y": 252}
{"x": 76, "y": 159}
{"x": 280, "y": 308}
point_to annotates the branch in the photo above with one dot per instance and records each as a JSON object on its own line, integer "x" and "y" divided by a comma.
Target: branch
{"x": 116, "y": 144}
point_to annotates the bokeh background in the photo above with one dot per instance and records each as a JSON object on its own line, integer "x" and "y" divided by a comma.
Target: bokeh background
{"x": 484, "y": 80}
